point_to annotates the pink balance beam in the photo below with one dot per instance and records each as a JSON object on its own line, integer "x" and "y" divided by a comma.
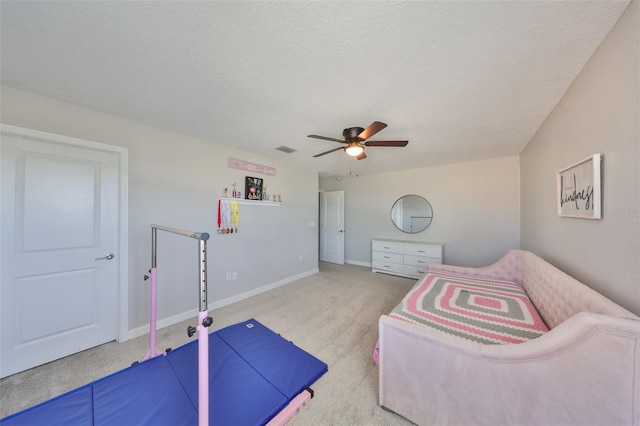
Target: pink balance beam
{"x": 153, "y": 350}
{"x": 203, "y": 370}
{"x": 291, "y": 409}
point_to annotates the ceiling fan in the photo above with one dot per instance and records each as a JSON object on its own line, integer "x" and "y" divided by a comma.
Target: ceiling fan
{"x": 355, "y": 138}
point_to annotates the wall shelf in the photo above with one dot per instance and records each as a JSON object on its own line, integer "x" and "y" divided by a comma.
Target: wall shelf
{"x": 255, "y": 202}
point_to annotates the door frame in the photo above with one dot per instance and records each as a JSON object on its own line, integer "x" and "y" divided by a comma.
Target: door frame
{"x": 122, "y": 286}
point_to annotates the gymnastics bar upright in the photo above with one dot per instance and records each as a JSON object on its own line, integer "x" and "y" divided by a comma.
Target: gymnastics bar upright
{"x": 204, "y": 320}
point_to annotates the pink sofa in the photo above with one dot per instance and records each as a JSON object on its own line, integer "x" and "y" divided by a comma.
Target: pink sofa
{"x": 584, "y": 371}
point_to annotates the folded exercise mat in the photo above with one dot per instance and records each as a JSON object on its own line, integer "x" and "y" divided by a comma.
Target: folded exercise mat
{"x": 254, "y": 373}
{"x": 283, "y": 364}
{"x": 72, "y": 408}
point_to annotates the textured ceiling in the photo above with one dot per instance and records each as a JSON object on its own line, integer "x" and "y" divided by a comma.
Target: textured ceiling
{"x": 459, "y": 80}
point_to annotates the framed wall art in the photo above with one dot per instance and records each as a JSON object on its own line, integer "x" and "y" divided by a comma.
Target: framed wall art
{"x": 578, "y": 189}
{"x": 253, "y": 188}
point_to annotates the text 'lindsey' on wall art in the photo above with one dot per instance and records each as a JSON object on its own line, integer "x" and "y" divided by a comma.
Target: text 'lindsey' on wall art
{"x": 234, "y": 163}
{"x": 579, "y": 189}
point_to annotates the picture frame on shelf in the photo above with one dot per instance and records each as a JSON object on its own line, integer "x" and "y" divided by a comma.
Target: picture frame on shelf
{"x": 253, "y": 188}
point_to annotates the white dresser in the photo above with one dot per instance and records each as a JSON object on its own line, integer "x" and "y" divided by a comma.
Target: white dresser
{"x": 404, "y": 258}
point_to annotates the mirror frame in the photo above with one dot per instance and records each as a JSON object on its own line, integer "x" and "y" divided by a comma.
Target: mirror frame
{"x": 409, "y": 229}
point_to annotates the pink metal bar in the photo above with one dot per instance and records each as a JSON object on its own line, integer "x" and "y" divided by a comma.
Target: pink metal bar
{"x": 153, "y": 350}
{"x": 203, "y": 371}
{"x": 291, "y": 409}
{"x": 204, "y": 321}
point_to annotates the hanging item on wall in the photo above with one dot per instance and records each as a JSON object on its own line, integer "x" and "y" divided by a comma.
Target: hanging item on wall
{"x": 235, "y": 217}
{"x": 223, "y": 220}
{"x": 253, "y": 188}
{"x": 219, "y": 216}
{"x": 235, "y": 163}
{"x": 228, "y": 216}
{"x": 578, "y": 189}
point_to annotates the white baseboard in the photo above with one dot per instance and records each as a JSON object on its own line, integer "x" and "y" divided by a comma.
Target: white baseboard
{"x": 193, "y": 313}
{"x": 357, "y": 263}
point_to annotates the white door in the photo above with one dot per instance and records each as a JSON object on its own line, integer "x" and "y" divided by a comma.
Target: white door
{"x": 59, "y": 258}
{"x": 332, "y": 227}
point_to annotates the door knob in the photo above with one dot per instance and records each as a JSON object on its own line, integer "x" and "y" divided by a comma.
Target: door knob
{"x": 342, "y": 230}
{"x": 108, "y": 256}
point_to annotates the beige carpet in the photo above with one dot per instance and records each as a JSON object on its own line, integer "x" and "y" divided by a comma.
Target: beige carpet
{"x": 333, "y": 315}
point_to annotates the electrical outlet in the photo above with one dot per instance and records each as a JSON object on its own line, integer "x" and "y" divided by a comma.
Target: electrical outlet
{"x": 235, "y": 275}
{"x": 228, "y": 276}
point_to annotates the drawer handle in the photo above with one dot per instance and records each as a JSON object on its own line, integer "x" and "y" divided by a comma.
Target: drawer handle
{"x": 387, "y": 257}
{"x": 387, "y": 266}
{"x": 420, "y": 251}
{"x": 388, "y": 248}
{"x": 421, "y": 261}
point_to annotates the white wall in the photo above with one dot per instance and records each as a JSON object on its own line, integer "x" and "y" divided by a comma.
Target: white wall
{"x": 176, "y": 181}
{"x": 476, "y": 209}
{"x": 598, "y": 114}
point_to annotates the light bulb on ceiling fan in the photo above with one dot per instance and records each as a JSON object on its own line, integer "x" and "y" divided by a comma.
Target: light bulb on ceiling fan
{"x": 354, "y": 149}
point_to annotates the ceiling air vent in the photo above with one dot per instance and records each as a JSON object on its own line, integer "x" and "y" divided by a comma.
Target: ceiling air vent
{"x": 285, "y": 149}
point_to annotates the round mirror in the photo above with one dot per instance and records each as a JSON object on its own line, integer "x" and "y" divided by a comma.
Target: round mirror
{"x": 411, "y": 214}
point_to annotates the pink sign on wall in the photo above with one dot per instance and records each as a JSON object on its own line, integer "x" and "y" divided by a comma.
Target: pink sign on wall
{"x": 234, "y": 163}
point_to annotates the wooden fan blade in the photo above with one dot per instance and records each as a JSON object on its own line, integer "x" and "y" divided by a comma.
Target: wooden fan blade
{"x": 387, "y": 143}
{"x": 374, "y": 128}
{"x": 362, "y": 156}
{"x": 327, "y": 152}
{"x": 326, "y": 138}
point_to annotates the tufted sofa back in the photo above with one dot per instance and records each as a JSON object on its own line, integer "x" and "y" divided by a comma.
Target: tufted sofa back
{"x": 558, "y": 296}
{"x": 509, "y": 267}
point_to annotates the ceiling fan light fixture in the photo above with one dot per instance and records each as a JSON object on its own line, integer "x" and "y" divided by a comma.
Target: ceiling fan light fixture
{"x": 356, "y": 138}
{"x": 354, "y": 149}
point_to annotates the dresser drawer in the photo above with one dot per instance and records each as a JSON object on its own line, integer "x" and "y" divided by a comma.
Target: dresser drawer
{"x": 388, "y": 246}
{"x": 387, "y": 257}
{"x": 420, "y": 250}
{"x": 419, "y": 260}
{"x": 414, "y": 271}
{"x": 394, "y": 268}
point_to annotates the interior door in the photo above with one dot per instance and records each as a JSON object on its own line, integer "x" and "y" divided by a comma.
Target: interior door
{"x": 332, "y": 227}
{"x": 59, "y": 227}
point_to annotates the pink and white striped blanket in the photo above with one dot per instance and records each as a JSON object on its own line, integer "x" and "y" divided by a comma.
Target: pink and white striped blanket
{"x": 481, "y": 309}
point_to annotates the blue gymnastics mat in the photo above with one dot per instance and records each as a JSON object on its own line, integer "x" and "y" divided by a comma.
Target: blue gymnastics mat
{"x": 253, "y": 374}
